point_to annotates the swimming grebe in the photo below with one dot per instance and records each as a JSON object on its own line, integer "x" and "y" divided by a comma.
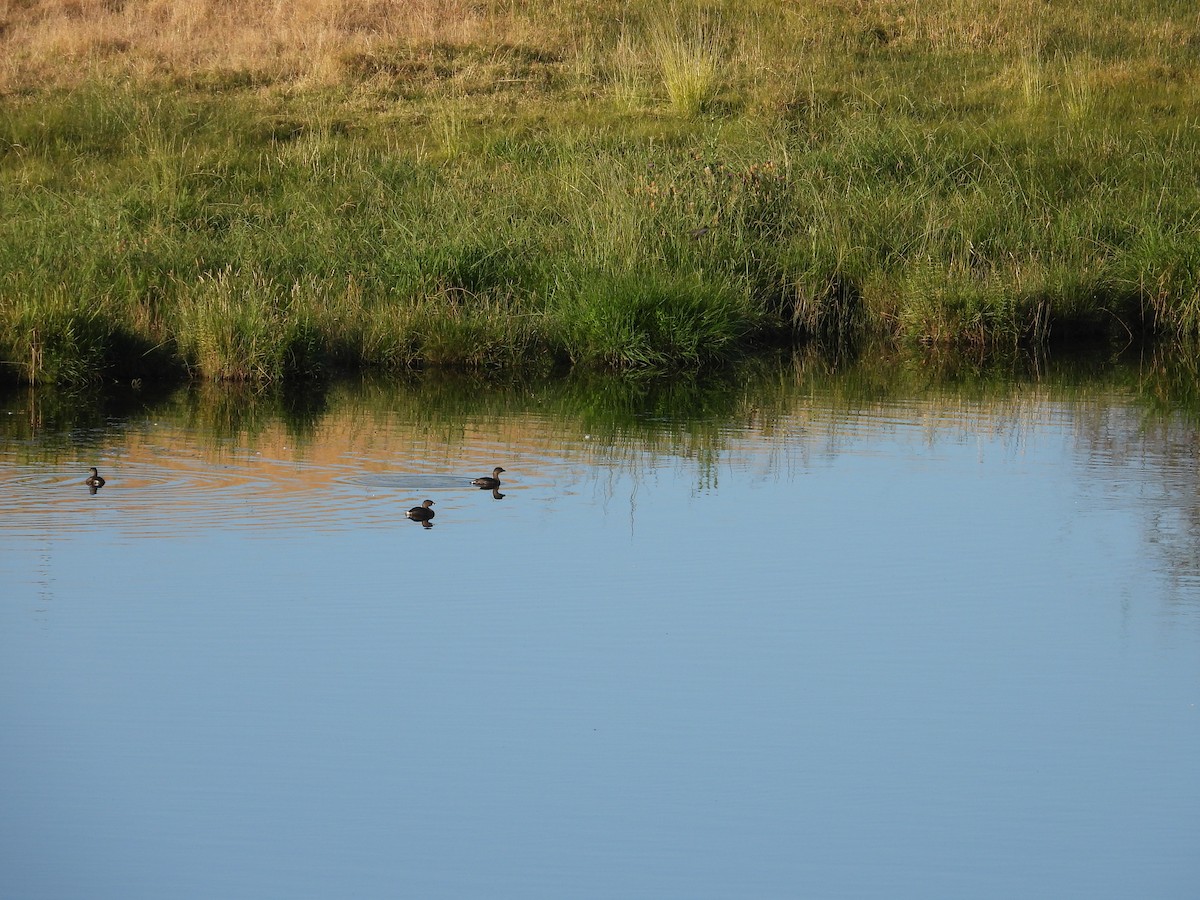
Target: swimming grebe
{"x": 488, "y": 484}
{"x": 421, "y": 513}
{"x": 94, "y": 480}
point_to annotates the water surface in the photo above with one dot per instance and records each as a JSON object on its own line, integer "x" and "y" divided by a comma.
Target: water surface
{"x": 873, "y": 632}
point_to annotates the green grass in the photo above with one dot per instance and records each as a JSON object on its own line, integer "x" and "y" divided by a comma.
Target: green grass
{"x": 672, "y": 187}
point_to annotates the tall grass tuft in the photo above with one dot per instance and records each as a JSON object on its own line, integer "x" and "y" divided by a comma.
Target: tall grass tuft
{"x": 629, "y": 321}
{"x": 58, "y": 338}
{"x": 239, "y": 325}
{"x": 688, "y": 46}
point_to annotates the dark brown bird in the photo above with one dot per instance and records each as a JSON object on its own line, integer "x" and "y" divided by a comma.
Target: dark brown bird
{"x": 94, "y": 480}
{"x": 421, "y": 513}
{"x": 488, "y": 484}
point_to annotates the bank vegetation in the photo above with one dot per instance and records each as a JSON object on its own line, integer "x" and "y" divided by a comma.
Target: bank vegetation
{"x": 266, "y": 191}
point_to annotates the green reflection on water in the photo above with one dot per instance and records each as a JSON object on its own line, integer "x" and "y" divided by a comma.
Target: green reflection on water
{"x": 656, "y": 413}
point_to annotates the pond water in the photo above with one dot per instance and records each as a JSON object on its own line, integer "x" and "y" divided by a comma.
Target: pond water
{"x": 904, "y": 631}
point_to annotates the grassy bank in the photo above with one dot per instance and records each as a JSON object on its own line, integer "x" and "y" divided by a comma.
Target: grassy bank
{"x": 321, "y": 185}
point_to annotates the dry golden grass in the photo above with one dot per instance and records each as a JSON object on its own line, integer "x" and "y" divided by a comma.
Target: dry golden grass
{"x": 52, "y": 41}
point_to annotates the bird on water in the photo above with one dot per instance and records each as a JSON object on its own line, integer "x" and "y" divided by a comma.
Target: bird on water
{"x": 487, "y": 483}
{"x": 94, "y": 480}
{"x": 421, "y": 513}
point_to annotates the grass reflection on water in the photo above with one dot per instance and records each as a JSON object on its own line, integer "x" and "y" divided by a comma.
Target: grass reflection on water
{"x": 625, "y": 419}
{"x": 782, "y": 410}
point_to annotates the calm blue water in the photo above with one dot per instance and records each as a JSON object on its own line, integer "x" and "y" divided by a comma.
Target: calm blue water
{"x": 785, "y": 643}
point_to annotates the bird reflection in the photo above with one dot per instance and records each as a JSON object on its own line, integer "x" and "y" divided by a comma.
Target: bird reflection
{"x": 496, "y": 495}
{"x": 487, "y": 483}
{"x": 94, "y": 481}
{"x": 421, "y": 514}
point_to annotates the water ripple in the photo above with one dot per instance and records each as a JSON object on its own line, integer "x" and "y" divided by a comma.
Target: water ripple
{"x": 158, "y": 499}
{"x": 410, "y": 481}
